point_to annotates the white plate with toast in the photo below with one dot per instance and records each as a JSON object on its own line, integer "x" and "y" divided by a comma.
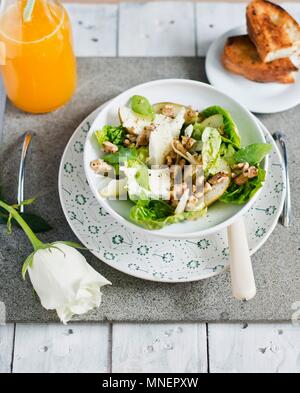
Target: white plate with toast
{"x": 257, "y": 97}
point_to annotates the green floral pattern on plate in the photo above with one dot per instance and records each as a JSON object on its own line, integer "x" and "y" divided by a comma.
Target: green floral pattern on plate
{"x": 147, "y": 256}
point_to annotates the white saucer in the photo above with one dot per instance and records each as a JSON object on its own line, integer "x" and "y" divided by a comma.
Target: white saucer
{"x": 149, "y": 257}
{"x": 257, "y": 97}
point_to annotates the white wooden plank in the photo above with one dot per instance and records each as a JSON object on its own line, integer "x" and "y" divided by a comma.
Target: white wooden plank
{"x": 214, "y": 19}
{"x": 77, "y": 348}
{"x": 157, "y": 29}
{"x": 6, "y": 347}
{"x": 94, "y": 29}
{"x": 153, "y": 348}
{"x": 258, "y": 348}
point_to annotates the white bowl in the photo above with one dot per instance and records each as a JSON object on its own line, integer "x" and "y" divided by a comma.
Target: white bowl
{"x": 199, "y": 96}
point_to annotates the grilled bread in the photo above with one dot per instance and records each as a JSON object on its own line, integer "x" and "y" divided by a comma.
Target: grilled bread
{"x": 274, "y": 32}
{"x": 241, "y": 57}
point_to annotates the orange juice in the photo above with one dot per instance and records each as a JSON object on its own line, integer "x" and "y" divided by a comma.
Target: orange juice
{"x": 37, "y": 59}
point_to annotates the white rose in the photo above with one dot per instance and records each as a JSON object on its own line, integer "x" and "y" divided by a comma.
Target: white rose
{"x": 64, "y": 281}
{"x": 60, "y": 275}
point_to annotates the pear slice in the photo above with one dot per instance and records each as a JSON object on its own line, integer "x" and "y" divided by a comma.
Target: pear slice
{"x": 214, "y": 121}
{"x": 216, "y": 191}
{"x": 133, "y": 121}
{"x": 160, "y": 105}
{"x": 115, "y": 188}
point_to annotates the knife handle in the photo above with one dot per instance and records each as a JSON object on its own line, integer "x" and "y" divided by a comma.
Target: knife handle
{"x": 242, "y": 277}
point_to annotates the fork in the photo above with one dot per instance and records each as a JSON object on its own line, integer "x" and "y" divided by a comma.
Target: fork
{"x": 287, "y": 209}
{"x": 25, "y": 147}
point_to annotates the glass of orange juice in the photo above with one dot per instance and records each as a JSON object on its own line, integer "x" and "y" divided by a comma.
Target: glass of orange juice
{"x": 37, "y": 60}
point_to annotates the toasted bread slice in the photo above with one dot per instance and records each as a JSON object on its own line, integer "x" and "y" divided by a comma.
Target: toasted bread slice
{"x": 274, "y": 32}
{"x": 241, "y": 57}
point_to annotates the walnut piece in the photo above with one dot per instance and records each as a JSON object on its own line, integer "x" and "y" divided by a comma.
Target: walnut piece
{"x": 100, "y": 166}
{"x": 171, "y": 157}
{"x": 240, "y": 180}
{"x": 218, "y": 178}
{"x": 244, "y": 172}
{"x": 182, "y": 163}
{"x": 109, "y": 147}
{"x": 127, "y": 142}
{"x": 168, "y": 110}
{"x": 188, "y": 142}
{"x": 251, "y": 172}
{"x": 143, "y": 138}
{"x": 132, "y": 138}
{"x": 179, "y": 146}
{"x": 191, "y": 115}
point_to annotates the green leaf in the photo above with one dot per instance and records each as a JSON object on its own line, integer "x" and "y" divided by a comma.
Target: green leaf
{"x": 229, "y": 142}
{"x": 73, "y": 244}
{"x": 142, "y": 106}
{"x": 197, "y": 131}
{"x": 228, "y": 152}
{"x": 253, "y": 154}
{"x": 2, "y": 211}
{"x": 122, "y": 155}
{"x": 230, "y": 128}
{"x": 155, "y": 214}
{"x": 113, "y": 134}
{"x": 242, "y": 194}
{"x": 27, "y": 202}
{"x": 125, "y": 154}
{"x": 24, "y": 203}
{"x": 211, "y": 148}
{"x": 50, "y": 246}
{"x": 143, "y": 154}
{"x": 36, "y": 223}
{"x": 27, "y": 264}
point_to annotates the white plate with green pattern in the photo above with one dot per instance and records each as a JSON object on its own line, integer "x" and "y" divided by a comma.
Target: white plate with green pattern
{"x": 147, "y": 256}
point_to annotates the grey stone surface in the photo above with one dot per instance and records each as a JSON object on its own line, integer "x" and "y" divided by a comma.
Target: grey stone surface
{"x": 276, "y": 265}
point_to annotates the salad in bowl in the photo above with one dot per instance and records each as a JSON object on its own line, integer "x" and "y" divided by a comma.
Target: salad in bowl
{"x": 173, "y": 163}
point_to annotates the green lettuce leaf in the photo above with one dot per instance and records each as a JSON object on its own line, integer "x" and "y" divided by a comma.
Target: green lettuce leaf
{"x": 253, "y": 154}
{"x": 230, "y": 127}
{"x": 113, "y": 134}
{"x": 242, "y": 194}
{"x": 197, "y": 131}
{"x": 212, "y": 141}
{"x": 155, "y": 214}
{"x": 137, "y": 180}
{"x": 219, "y": 165}
{"x": 228, "y": 153}
{"x": 125, "y": 154}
